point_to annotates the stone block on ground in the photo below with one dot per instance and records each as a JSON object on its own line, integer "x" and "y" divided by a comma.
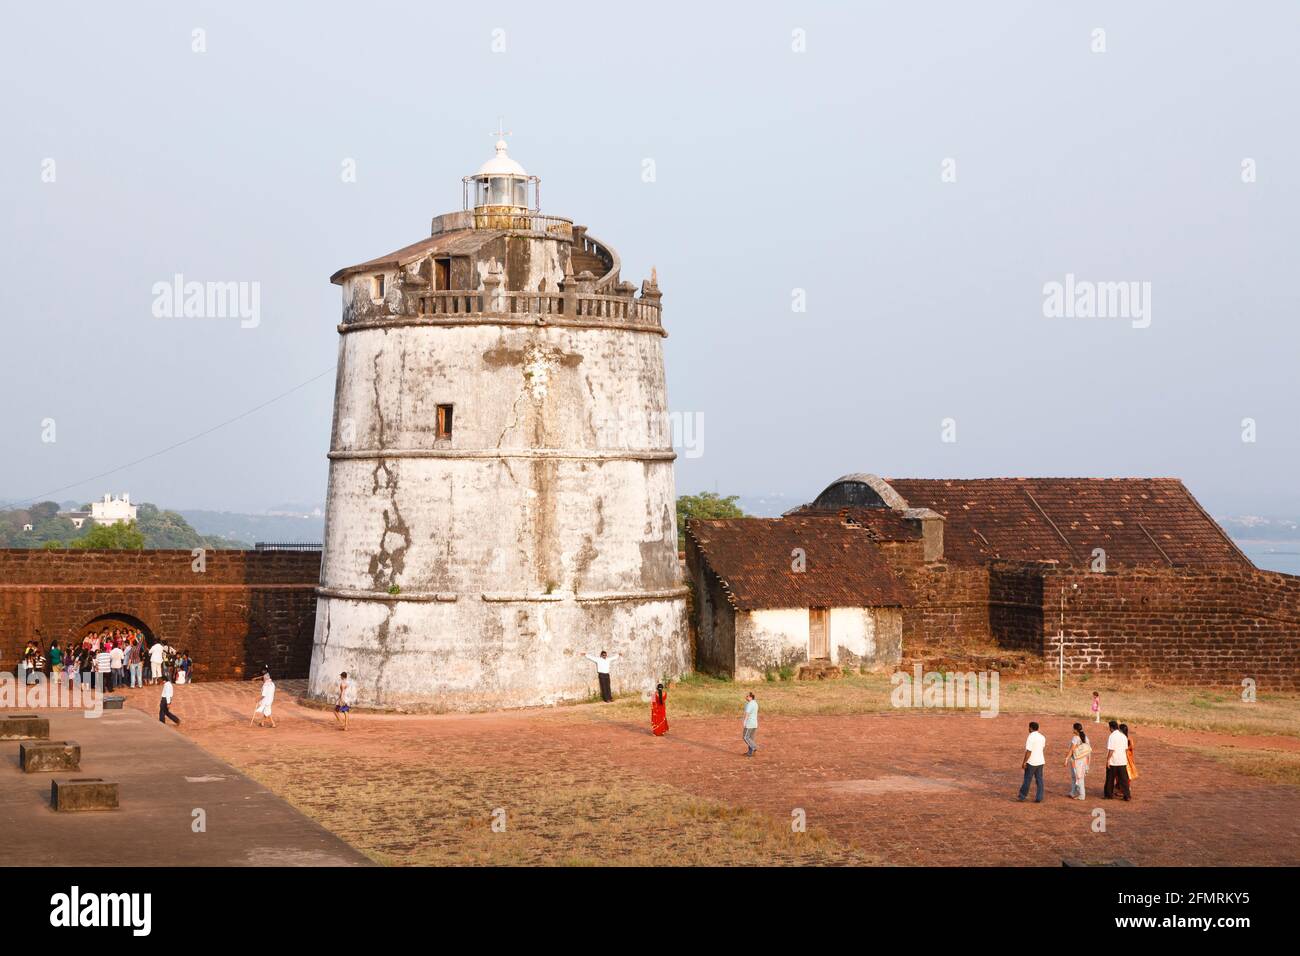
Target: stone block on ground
{"x": 83, "y": 793}
{"x": 49, "y": 755}
{"x": 24, "y": 727}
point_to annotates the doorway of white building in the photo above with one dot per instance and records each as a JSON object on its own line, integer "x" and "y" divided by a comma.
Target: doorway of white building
{"x": 819, "y": 634}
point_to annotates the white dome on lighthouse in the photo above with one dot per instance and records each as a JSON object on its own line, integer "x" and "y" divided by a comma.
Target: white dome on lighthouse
{"x": 501, "y": 182}
{"x": 501, "y": 164}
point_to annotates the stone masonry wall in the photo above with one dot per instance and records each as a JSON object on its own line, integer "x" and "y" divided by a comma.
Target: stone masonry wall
{"x": 1183, "y": 626}
{"x": 1016, "y": 606}
{"x": 951, "y": 606}
{"x": 246, "y": 610}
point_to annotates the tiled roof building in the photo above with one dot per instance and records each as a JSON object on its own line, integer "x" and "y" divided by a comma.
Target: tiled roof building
{"x": 1097, "y": 575}
{"x": 1137, "y": 521}
{"x": 757, "y": 562}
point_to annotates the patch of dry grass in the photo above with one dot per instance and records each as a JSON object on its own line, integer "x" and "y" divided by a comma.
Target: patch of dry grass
{"x": 1279, "y": 766}
{"x": 1176, "y": 707}
{"x": 429, "y": 816}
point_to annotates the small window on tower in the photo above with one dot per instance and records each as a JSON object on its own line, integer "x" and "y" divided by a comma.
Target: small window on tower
{"x": 444, "y": 422}
{"x": 379, "y": 286}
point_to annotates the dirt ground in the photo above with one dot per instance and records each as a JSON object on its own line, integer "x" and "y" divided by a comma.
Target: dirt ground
{"x": 588, "y": 784}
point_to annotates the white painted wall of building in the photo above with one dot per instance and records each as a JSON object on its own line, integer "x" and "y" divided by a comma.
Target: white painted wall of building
{"x": 769, "y": 639}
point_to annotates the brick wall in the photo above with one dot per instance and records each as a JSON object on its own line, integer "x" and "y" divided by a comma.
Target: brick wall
{"x": 951, "y": 601}
{"x": 246, "y": 610}
{"x": 1016, "y": 606}
{"x": 1204, "y": 626}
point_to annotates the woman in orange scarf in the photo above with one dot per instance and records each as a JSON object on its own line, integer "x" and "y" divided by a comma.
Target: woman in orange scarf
{"x": 659, "y": 711}
{"x": 1132, "y": 766}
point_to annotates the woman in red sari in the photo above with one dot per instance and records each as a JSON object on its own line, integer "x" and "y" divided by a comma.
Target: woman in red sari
{"x": 659, "y": 711}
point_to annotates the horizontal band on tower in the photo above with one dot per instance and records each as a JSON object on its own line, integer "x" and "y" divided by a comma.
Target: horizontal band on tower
{"x": 573, "y": 454}
{"x": 504, "y": 597}
{"x": 534, "y": 322}
{"x": 426, "y": 597}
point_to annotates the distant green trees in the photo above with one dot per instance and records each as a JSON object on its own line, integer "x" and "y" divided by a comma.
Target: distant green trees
{"x": 153, "y": 528}
{"x": 47, "y": 527}
{"x": 707, "y": 504}
{"x": 124, "y": 536}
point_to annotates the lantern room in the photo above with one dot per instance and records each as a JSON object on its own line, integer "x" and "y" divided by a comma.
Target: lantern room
{"x": 502, "y": 182}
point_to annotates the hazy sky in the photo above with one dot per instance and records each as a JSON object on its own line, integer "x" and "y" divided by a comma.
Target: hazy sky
{"x": 775, "y": 170}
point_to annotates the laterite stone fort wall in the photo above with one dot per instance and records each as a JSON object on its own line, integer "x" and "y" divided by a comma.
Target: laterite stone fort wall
{"x": 246, "y": 610}
{"x": 1173, "y": 625}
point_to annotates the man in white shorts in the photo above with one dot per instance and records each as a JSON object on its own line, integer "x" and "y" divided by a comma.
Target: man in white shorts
{"x": 263, "y": 711}
{"x": 156, "y": 662}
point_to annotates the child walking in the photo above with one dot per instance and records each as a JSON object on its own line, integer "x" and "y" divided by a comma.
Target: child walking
{"x": 1096, "y": 707}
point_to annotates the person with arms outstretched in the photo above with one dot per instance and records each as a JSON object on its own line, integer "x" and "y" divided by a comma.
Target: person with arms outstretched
{"x": 602, "y": 673}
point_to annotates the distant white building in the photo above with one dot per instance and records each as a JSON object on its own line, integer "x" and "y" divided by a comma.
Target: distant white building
{"x": 108, "y": 511}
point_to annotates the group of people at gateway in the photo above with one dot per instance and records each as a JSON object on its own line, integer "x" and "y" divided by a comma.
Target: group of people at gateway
{"x": 1121, "y": 770}
{"x": 121, "y": 655}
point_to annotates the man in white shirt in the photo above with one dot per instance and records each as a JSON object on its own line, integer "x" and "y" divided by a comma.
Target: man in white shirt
{"x": 115, "y": 660}
{"x": 263, "y": 711}
{"x": 602, "y": 673}
{"x": 1033, "y": 763}
{"x": 156, "y": 662}
{"x": 165, "y": 704}
{"x": 1116, "y": 762}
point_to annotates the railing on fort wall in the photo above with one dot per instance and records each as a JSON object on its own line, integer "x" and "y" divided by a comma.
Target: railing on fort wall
{"x": 503, "y": 217}
{"x": 604, "y": 253}
{"x": 287, "y": 546}
{"x": 615, "y": 309}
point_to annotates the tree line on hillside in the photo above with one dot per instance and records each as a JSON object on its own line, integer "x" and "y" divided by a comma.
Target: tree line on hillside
{"x": 154, "y": 527}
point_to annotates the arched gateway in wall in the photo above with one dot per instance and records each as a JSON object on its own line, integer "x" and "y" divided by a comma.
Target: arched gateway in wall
{"x": 112, "y": 620}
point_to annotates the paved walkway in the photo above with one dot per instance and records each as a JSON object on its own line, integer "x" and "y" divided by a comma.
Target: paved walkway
{"x": 913, "y": 788}
{"x": 164, "y": 778}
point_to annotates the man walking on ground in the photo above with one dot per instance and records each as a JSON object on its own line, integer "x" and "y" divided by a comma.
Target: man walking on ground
{"x": 343, "y": 706}
{"x": 1033, "y": 763}
{"x": 263, "y": 711}
{"x": 602, "y": 673}
{"x": 165, "y": 704}
{"x": 1116, "y": 763}
{"x": 749, "y": 730}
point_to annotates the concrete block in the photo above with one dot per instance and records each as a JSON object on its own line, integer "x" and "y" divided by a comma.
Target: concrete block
{"x": 49, "y": 755}
{"x": 114, "y": 702}
{"x": 83, "y": 793}
{"x": 24, "y": 727}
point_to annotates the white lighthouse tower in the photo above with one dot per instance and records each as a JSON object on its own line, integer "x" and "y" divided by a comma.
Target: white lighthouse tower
{"x": 501, "y": 497}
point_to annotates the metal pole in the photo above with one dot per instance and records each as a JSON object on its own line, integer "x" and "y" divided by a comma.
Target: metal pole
{"x": 1060, "y": 648}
